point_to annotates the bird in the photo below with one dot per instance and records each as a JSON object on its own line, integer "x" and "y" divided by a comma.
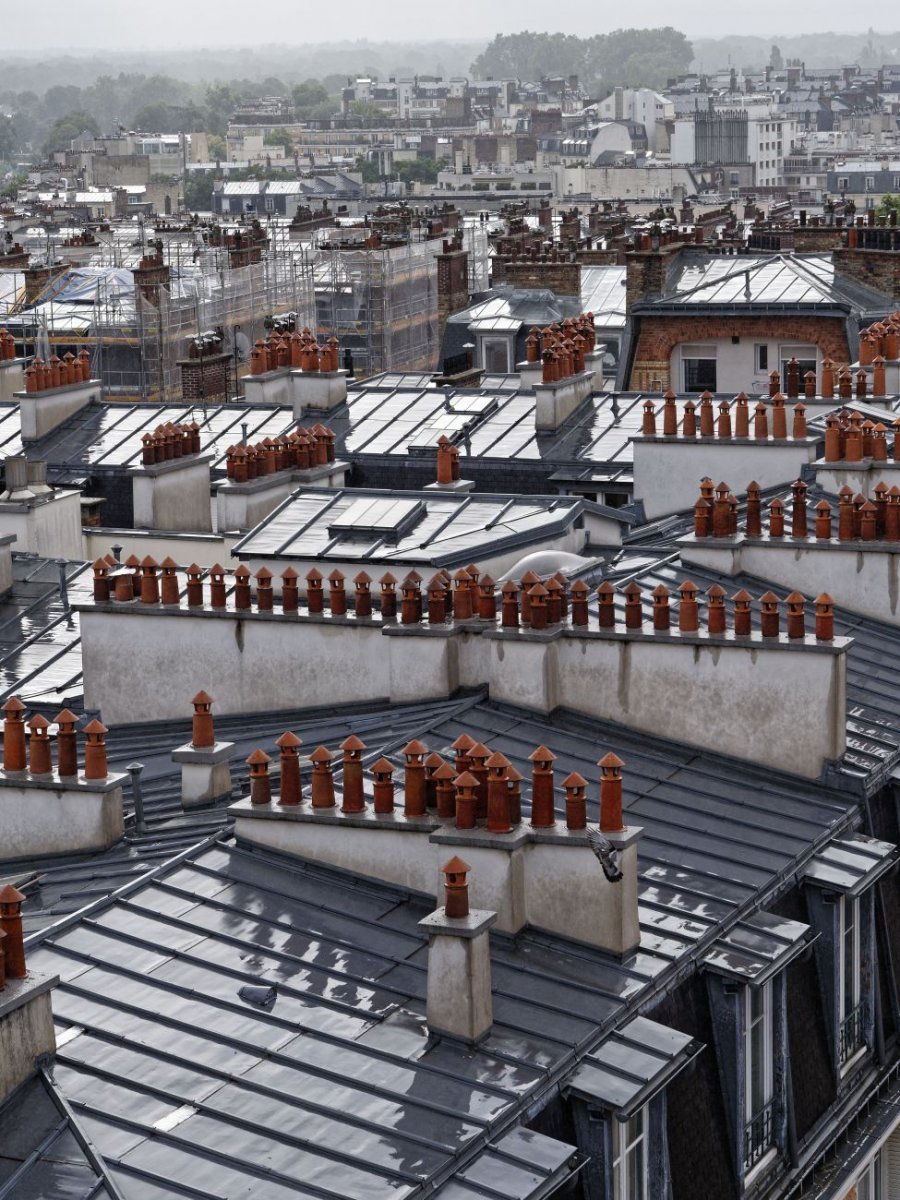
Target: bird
{"x": 606, "y": 853}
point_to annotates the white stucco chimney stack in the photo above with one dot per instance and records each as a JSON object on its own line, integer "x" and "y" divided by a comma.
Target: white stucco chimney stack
{"x": 458, "y": 993}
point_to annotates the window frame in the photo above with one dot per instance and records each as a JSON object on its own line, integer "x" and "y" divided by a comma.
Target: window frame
{"x": 758, "y": 1026}
{"x": 622, "y": 1156}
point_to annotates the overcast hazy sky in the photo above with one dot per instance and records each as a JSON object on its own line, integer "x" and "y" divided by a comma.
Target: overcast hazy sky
{"x": 179, "y": 24}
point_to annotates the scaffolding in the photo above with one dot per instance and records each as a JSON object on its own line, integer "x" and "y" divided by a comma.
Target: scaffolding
{"x": 381, "y": 303}
{"x": 240, "y": 302}
{"x": 137, "y": 340}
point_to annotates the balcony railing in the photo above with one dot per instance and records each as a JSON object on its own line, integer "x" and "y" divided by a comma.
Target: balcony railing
{"x": 852, "y": 1033}
{"x": 759, "y": 1134}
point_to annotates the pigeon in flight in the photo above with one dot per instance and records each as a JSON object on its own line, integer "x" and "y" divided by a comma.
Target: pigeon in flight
{"x": 606, "y": 853}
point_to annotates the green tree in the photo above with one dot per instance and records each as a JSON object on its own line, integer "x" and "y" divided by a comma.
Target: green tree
{"x": 306, "y": 96}
{"x": 368, "y": 169}
{"x": 888, "y": 205}
{"x": 198, "y": 190}
{"x": 280, "y": 137}
{"x": 421, "y": 170}
{"x": 366, "y": 111}
{"x": 9, "y": 142}
{"x": 67, "y": 128}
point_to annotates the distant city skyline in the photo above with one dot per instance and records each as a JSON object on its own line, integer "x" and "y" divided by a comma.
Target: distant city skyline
{"x": 108, "y": 25}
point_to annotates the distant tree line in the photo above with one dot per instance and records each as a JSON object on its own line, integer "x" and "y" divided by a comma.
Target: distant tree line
{"x": 156, "y": 103}
{"x": 630, "y": 57}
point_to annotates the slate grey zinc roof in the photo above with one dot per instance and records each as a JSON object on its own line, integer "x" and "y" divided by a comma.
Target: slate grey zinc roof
{"x": 390, "y": 415}
{"x": 42, "y": 1155}
{"x": 337, "y": 1090}
{"x": 62, "y": 885}
{"x": 423, "y": 527}
{"x": 109, "y": 435}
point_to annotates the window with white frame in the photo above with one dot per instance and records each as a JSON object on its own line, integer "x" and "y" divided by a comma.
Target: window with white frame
{"x": 759, "y": 1074}
{"x": 495, "y": 354}
{"x": 872, "y": 1183}
{"x": 629, "y": 1165}
{"x": 851, "y": 1010}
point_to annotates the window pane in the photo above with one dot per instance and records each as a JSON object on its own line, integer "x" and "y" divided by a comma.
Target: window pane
{"x": 699, "y": 374}
{"x": 636, "y": 1172}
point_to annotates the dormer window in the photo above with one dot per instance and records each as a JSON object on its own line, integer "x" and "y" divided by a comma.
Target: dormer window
{"x": 851, "y": 1001}
{"x": 841, "y": 897}
{"x": 748, "y": 998}
{"x": 759, "y": 1074}
{"x": 630, "y": 1158}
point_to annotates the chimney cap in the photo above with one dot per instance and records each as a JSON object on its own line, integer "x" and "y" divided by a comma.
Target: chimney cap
{"x": 497, "y": 760}
{"x": 512, "y": 775}
{"x": 466, "y": 780}
{"x": 38, "y": 722}
{"x": 288, "y": 740}
{"x": 542, "y": 754}
{"x": 455, "y": 866}
{"x": 574, "y": 780}
{"x": 289, "y": 573}
{"x": 362, "y": 577}
{"x": 202, "y": 698}
{"x": 257, "y": 758}
{"x": 149, "y": 561}
{"x": 353, "y": 743}
{"x": 263, "y": 573}
{"x": 479, "y": 750}
{"x": 321, "y": 754}
{"x": 66, "y": 717}
{"x": 434, "y": 759}
{"x": 463, "y": 742}
{"x": 610, "y": 760}
{"x": 242, "y": 572}
{"x": 95, "y": 726}
{"x": 10, "y": 895}
{"x": 445, "y": 771}
{"x": 382, "y": 767}
{"x": 743, "y": 596}
{"x": 169, "y": 563}
{"x": 387, "y": 578}
{"x": 415, "y": 747}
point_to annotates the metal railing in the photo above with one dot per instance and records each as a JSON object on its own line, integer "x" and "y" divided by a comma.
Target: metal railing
{"x": 852, "y": 1032}
{"x": 759, "y": 1134}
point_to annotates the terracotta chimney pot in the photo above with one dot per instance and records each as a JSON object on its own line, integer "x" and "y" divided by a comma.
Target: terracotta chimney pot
{"x": 742, "y": 601}
{"x": 498, "y": 812}
{"x": 466, "y": 801}
{"x": 824, "y": 618}
{"x": 456, "y": 891}
{"x": 11, "y": 900}
{"x": 611, "y": 819}
{"x": 322, "y": 778}
{"x": 290, "y": 790}
{"x": 39, "y": 760}
{"x": 14, "y": 735}
{"x": 444, "y": 791}
{"x": 769, "y": 622}
{"x": 543, "y": 815}
{"x": 576, "y": 801}
{"x": 95, "y": 765}
{"x": 414, "y": 781}
{"x": 383, "y": 787}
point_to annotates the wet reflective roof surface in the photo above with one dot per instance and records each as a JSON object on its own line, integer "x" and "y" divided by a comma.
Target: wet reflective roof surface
{"x": 336, "y": 1089}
